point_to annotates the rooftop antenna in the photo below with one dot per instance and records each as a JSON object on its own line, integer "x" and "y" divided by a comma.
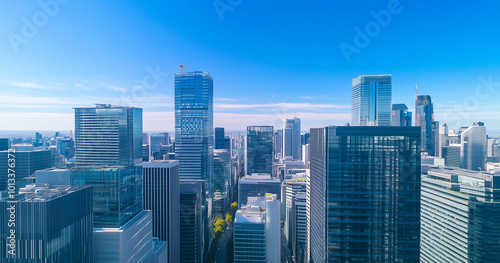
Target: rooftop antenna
{"x": 182, "y": 66}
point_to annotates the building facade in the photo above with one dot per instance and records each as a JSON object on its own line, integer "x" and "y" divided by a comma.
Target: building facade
{"x": 372, "y": 100}
{"x": 291, "y": 138}
{"x": 364, "y": 191}
{"x": 259, "y": 149}
{"x": 473, "y": 147}
{"x": 400, "y": 115}
{"x": 160, "y": 194}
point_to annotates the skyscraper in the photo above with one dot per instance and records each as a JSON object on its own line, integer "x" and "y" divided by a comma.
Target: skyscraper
{"x": 473, "y": 147}
{"x": 191, "y": 224}
{"x": 221, "y": 141}
{"x": 364, "y": 191}
{"x": 278, "y": 144}
{"x": 108, "y": 135}
{"x": 400, "y": 115}
{"x": 194, "y": 125}
{"x": 460, "y": 216}
{"x": 424, "y": 117}
{"x": 160, "y": 194}
{"x": 291, "y": 138}
{"x": 51, "y": 224}
{"x": 372, "y": 100}
{"x": 259, "y": 149}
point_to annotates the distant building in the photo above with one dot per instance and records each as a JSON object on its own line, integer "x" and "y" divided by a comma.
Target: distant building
{"x": 27, "y": 161}
{"x": 372, "y": 100}
{"x": 52, "y": 224}
{"x": 473, "y": 147}
{"x": 291, "y": 138}
{"x": 278, "y": 144}
{"x": 400, "y": 115}
{"x": 156, "y": 142}
{"x": 4, "y": 144}
{"x": 424, "y": 117}
{"x": 451, "y": 155}
{"x": 259, "y": 150}
{"x": 160, "y": 194}
{"x": 256, "y": 185}
{"x": 351, "y": 177}
{"x": 460, "y": 216}
{"x": 257, "y": 233}
{"x": 221, "y": 141}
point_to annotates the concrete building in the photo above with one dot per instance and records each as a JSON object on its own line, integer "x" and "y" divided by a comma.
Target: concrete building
{"x": 256, "y": 185}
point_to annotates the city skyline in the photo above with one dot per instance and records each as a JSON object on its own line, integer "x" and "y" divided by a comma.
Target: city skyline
{"x": 52, "y": 71}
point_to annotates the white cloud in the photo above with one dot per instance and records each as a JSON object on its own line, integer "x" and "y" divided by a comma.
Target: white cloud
{"x": 30, "y": 85}
{"x": 122, "y": 90}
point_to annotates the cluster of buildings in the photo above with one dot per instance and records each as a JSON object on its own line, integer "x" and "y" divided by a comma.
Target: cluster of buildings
{"x": 381, "y": 189}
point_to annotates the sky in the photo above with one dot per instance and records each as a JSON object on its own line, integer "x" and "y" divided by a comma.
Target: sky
{"x": 269, "y": 59}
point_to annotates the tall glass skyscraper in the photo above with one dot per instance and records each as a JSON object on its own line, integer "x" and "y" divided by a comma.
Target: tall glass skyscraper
{"x": 473, "y": 147}
{"x": 372, "y": 100}
{"x": 424, "y": 117}
{"x": 108, "y": 135}
{"x": 194, "y": 120}
{"x": 400, "y": 115}
{"x": 364, "y": 191}
{"x": 291, "y": 138}
{"x": 259, "y": 149}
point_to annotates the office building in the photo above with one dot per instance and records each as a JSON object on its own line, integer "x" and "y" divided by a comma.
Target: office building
{"x": 460, "y": 216}
{"x": 52, "y": 224}
{"x": 299, "y": 227}
{"x": 278, "y": 144}
{"x": 292, "y": 187}
{"x": 191, "y": 222}
{"x": 473, "y": 147}
{"x": 66, "y": 147}
{"x": 451, "y": 155}
{"x": 52, "y": 176}
{"x": 194, "y": 125}
{"x": 156, "y": 142}
{"x": 160, "y": 194}
{"x": 27, "y": 161}
{"x": 358, "y": 176}
{"x": 257, "y": 236}
{"x": 259, "y": 150}
{"x": 291, "y": 138}
{"x": 256, "y": 185}
{"x": 372, "y": 100}
{"x": 424, "y": 117}
{"x": 305, "y": 155}
{"x": 108, "y": 135}
{"x": 400, "y": 115}
{"x": 131, "y": 242}
{"x": 221, "y": 141}
{"x": 304, "y": 138}
{"x": 117, "y": 192}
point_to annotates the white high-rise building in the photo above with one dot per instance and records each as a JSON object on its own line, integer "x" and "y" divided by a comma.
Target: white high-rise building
{"x": 261, "y": 218}
{"x": 473, "y": 147}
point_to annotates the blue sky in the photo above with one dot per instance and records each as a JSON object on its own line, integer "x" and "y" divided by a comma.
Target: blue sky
{"x": 269, "y": 59}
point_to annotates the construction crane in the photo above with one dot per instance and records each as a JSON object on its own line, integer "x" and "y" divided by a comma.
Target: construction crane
{"x": 182, "y": 66}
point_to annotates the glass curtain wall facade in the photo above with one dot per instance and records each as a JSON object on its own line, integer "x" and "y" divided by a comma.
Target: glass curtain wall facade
{"x": 259, "y": 149}
{"x": 108, "y": 135}
{"x": 365, "y": 194}
{"x": 27, "y": 162}
{"x": 372, "y": 100}
{"x": 117, "y": 193}
{"x": 291, "y": 138}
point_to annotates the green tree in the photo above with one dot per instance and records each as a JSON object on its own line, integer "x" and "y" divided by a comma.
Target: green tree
{"x": 220, "y": 222}
{"x": 218, "y": 232}
{"x": 229, "y": 218}
{"x": 234, "y": 207}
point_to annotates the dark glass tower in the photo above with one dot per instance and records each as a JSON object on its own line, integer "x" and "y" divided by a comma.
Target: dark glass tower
{"x": 364, "y": 190}
{"x": 259, "y": 149}
{"x": 424, "y": 117}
